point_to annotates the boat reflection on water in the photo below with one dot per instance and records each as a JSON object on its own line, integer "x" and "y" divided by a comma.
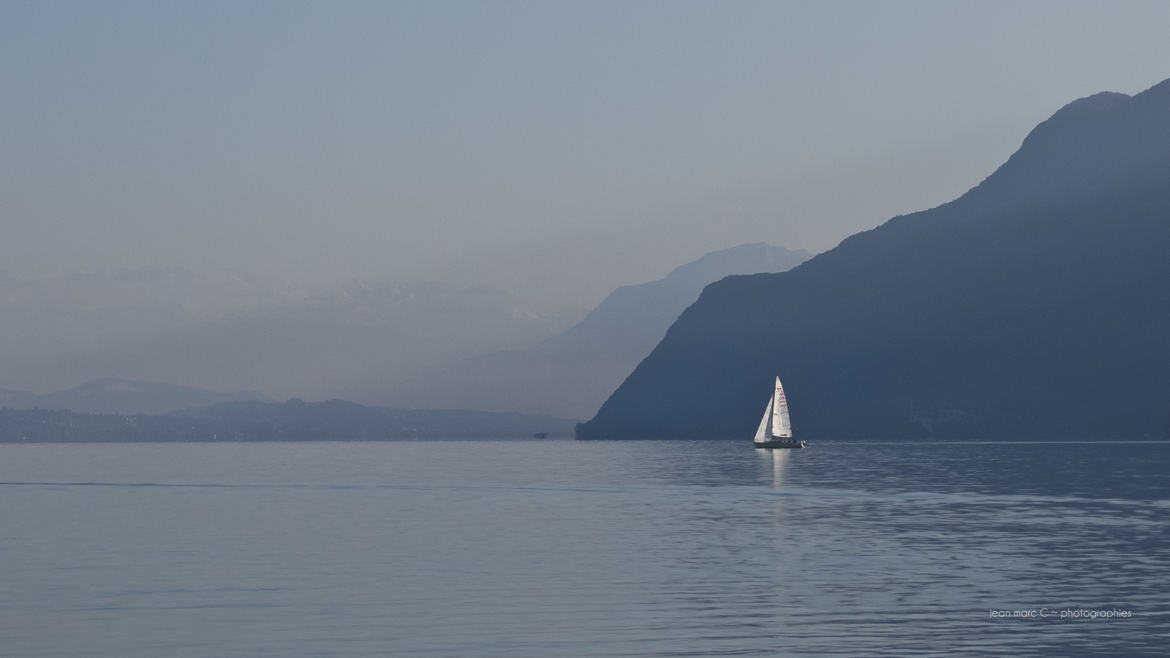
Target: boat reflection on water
{"x": 778, "y": 458}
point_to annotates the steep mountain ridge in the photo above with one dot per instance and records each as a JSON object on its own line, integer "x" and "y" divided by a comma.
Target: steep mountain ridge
{"x": 1034, "y": 306}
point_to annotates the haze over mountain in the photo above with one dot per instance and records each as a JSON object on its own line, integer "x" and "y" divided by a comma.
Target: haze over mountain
{"x": 294, "y": 420}
{"x": 570, "y": 374}
{"x": 121, "y": 396}
{"x": 225, "y": 330}
{"x": 1037, "y": 305}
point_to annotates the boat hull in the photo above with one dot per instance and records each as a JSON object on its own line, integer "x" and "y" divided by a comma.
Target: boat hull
{"x": 779, "y": 443}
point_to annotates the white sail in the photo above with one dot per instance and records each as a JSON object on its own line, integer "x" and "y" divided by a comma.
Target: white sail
{"x": 781, "y": 423}
{"x": 764, "y": 432}
{"x": 775, "y": 430}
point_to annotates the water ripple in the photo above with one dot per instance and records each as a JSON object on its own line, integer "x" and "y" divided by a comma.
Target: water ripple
{"x": 630, "y": 550}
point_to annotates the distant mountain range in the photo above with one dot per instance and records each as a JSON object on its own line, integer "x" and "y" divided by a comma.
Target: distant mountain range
{"x": 1035, "y": 306}
{"x": 295, "y": 420}
{"x": 229, "y": 331}
{"x": 121, "y": 396}
{"x": 416, "y": 344}
{"x": 570, "y": 374}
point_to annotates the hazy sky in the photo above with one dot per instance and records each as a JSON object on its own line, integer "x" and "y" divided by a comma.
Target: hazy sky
{"x": 569, "y": 145}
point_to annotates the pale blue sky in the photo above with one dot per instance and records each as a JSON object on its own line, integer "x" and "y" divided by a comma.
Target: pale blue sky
{"x": 573, "y": 146}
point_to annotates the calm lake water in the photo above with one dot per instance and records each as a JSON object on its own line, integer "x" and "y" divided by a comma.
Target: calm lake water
{"x": 563, "y": 548}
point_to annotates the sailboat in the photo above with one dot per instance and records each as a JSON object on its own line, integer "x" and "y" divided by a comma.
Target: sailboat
{"x": 775, "y": 429}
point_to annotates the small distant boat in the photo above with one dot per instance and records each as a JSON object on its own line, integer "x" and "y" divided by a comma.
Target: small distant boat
{"x": 775, "y": 429}
{"x": 540, "y": 435}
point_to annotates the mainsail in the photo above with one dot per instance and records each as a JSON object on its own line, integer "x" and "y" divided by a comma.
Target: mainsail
{"x": 781, "y": 423}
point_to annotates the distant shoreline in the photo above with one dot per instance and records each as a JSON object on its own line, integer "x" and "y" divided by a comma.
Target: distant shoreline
{"x": 294, "y": 421}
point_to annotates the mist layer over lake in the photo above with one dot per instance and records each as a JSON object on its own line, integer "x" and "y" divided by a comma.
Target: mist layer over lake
{"x": 562, "y": 548}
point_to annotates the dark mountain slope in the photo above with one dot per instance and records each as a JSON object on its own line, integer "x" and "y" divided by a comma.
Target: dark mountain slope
{"x": 1035, "y": 306}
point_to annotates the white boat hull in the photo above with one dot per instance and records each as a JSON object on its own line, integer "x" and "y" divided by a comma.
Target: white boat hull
{"x": 779, "y": 443}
